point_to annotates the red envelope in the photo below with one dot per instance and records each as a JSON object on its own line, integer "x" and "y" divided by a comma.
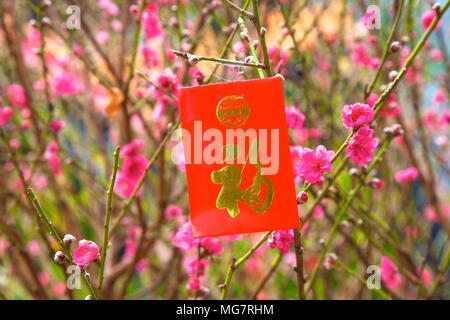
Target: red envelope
{"x": 238, "y": 165}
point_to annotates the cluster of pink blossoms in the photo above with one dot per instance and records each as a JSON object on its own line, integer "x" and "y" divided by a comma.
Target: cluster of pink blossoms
{"x": 133, "y": 168}
{"x": 310, "y": 165}
{"x": 150, "y": 21}
{"x": 282, "y": 240}
{"x": 361, "y": 145}
{"x": 195, "y": 265}
{"x": 392, "y": 278}
{"x": 360, "y": 56}
{"x": 86, "y": 252}
{"x": 278, "y": 58}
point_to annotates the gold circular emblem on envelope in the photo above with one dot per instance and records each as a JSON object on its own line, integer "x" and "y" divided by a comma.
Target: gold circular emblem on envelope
{"x": 233, "y": 111}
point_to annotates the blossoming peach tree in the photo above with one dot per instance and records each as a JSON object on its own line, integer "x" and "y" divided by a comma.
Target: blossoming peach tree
{"x": 89, "y": 105}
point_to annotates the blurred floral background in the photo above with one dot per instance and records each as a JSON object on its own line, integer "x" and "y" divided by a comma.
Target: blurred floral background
{"x": 369, "y": 148}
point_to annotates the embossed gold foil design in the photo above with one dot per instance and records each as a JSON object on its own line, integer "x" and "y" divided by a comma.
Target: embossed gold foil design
{"x": 232, "y": 111}
{"x": 230, "y": 176}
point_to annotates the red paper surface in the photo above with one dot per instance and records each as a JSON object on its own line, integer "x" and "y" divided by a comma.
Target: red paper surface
{"x": 245, "y": 202}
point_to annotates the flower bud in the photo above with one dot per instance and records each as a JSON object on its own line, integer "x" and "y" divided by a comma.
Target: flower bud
{"x": 392, "y": 75}
{"x": 134, "y": 10}
{"x": 376, "y": 183}
{"x": 388, "y": 132}
{"x": 353, "y": 172}
{"x": 199, "y": 76}
{"x": 89, "y": 297}
{"x": 395, "y": 46}
{"x": 215, "y": 4}
{"x": 46, "y": 21}
{"x": 46, "y": 3}
{"x": 60, "y": 257}
{"x": 436, "y": 7}
{"x": 33, "y": 23}
{"x": 68, "y": 240}
{"x": 398, "y": 130}
{"x": 302, "y": 197}
{"x": 193, "y": 59}
{"x": 330, "y": 260}
{"x": 173, "y": 22}
{"x": 248, "y": 59}
{"x": 394, "y": 131}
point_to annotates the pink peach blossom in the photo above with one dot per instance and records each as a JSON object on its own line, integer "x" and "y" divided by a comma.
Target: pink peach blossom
{"x": 16, "y": 95}
{"x": 354, "y": 115}
{"x": 4, "y": 244}
{"x": 34, "y": 248}
{"x": 211, "y": 245}
{"x": 44, "y": 278}
{"x": 195, "y": 267}
{"x": 67, "y": 84}
{"x": 86, "y": 253}
{"x": 172, "y": 211}
{"x": 314, "y": 163}
{"x": 436, "y": 54}
{"x": 430, "y": 213}
{"x": 193, "y": 284}
{"x": 56, "y": 125}
{"x": 424, "y": 276}
{"x": 281, "y": 239}
{"x": 361, "y": 145}
{"x": 52, "y": 157}
{"x": 406, "y": 175}
{"x": 133, "y": 167}
{"x": 182, "y": 239}
{"x": 390, "y": 276}
{"x": 427, "y": 18}
{"x": 438, "y": 97}
{"x": 5, "y": 114}
{"x": 150, "y": 22}
{"x": 150, "y": 56}
{"x": 59, "y": 289}
{"x": 294, "y": 117}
